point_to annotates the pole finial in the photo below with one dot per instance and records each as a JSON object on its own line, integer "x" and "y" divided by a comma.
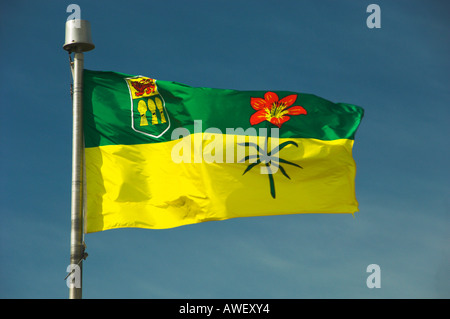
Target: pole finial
{"x": 78, "y": 36}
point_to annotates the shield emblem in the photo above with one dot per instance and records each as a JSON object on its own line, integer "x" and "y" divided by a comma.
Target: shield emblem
{"x": 148, "y": 111}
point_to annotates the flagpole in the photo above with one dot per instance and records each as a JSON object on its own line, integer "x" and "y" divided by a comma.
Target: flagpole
{"x": 78, "y": 40}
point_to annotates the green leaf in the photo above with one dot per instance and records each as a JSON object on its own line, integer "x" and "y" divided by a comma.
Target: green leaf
{"x": 251, "y": 166}
{"x": 252, "y": 144}
{"x": 283, "y": 171}
{"x": 281, "y": 146}
{"x": 290, "y": 163}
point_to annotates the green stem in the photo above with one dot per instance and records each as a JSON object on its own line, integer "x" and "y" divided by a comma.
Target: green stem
{"x": 271, "y": 181}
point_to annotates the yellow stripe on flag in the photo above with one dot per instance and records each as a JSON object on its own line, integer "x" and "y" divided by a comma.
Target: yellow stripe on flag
{"x": 142, "y": 186}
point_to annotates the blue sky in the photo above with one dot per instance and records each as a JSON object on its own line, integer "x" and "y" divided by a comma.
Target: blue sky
{"x": 399, "y": 74}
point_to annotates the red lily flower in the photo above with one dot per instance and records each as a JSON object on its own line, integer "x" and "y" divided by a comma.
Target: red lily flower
{"x": 273, "y": 110}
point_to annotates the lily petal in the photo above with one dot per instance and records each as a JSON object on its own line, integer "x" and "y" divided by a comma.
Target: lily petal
{"x": 258, "y": 117}
{"x": 258, "y": 103}
{"x": 271, "y": 98}
{"x": 288, "y": 100}
{"x": 296, "y": 110}
{"x": 278, "y": 121}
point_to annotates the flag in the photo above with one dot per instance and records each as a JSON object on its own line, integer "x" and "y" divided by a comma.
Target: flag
{"x": 161, "y": 154}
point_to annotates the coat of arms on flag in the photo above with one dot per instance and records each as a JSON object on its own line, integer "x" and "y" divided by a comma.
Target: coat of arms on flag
{"x": 148, "y": 112}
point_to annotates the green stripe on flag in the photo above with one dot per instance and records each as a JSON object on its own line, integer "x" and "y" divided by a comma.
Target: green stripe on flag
{"x": 109, "y": 117}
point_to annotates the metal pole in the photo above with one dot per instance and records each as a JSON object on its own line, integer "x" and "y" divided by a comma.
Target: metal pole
{"x": 76, "y": 234}
{"x": 78, "y": 40}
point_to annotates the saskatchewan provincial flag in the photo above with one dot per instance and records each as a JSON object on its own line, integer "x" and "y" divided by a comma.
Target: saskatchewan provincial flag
{"x": 161, "y": 154}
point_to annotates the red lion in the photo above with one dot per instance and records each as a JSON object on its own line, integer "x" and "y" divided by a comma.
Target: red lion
{"x": 144, "y": 86}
